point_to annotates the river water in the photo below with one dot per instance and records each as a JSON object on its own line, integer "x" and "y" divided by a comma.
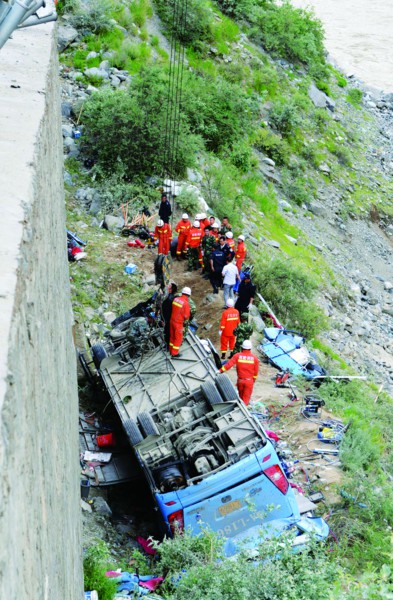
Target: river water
{"x": 359, "y": 37}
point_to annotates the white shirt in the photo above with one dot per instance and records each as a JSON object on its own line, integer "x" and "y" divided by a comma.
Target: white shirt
{"x": 230, "y": 273}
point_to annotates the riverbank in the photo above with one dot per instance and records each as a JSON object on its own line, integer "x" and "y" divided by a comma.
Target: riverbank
{"x": 358, "y": 37}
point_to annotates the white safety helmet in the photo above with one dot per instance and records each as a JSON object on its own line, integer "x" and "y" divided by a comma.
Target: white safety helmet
{"x": 215, "y": 226}
{"x": 241, "y": 237}
{"x": 229, "y": 235}
{"x": 198, "y": 217}
{"x": 187, "y": 291}
{"x": 196, "y": 224}
{"x": 203, "y": 215}
{"x": 184, "y": 216}
{"x": 160, "y": 222}
{"x": 230, "y": 303}
{"x": 246, "y": 345}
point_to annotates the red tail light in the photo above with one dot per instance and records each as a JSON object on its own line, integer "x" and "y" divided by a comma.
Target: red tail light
{"x": 176, "y": 521}
{"x": 277, "y": 477}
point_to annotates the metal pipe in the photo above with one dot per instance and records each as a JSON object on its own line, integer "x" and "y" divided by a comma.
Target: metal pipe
{"x": 15, "y": 15}
{"x": 36, "y": 20}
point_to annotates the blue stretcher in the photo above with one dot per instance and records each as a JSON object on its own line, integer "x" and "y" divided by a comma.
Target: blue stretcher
{"x": 286, "y": 350}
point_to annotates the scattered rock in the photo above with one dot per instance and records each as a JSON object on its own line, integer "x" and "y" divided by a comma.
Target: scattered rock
{"x": 101, "y": 506}
{"x": 65, "y": 36}
{"x": 113, "y": 223}
{"x": 274, "y": 244}
{"x": 320, "y": 99}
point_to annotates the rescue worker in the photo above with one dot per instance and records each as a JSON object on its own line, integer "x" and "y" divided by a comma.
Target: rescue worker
{"x": 182, "y": 229}
{"x": 230, "y": 319}
{"x": 163, "y": 233}
{"x": 165, "y": 209}
{"x": 214, "y": 231}
{"x": 204, "y": 221}
{"x": 225, "y": 226}
{"x": 180, "y": 312}
{"x": 245, "y": 293}
{"x": 242, "y": 332}
{"x": 247, "y": 366}
{"x": 241, "y": 252}
{"x": 166, "y": 309}
{"x": 193, "y": 246}
{"x": 230, "y": 241}
{"x": 208, "y": 244}
{"x": 218, "y": 260}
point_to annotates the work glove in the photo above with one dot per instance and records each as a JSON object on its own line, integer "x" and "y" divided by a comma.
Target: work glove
{"x": 220, "y": 333}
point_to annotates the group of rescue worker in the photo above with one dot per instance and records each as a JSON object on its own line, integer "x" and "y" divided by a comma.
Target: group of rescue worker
{"x": 210, "y": 246}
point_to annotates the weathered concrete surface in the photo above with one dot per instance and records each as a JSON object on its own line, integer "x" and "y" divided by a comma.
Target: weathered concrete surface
{"x": 39, "y": 484}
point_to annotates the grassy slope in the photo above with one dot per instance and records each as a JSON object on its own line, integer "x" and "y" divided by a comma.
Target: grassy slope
{"x": 314, "y": 138}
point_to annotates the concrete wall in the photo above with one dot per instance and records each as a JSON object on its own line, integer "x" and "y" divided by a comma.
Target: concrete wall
{"x": 40, "y": 556}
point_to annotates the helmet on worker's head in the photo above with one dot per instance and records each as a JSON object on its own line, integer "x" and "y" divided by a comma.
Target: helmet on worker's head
{"x": 203, "y": 215}
{"x": 229, "y": 234}
{"x": 215, "y": 226}
{"x": 184, "y": 216}
{"x": 230, "y": 303}
{"x": 246, "y": 345}
{"x": 198, "y": 217}
{"x": 197, "y": 224}
{"x": 241, "y": 237}
{"x": 187, "y": 291}
{"x": 160, "y": 222}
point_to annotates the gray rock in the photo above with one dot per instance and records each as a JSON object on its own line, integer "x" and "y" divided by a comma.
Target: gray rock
{"x": 268, "y": 161}
{"x": 67, "y": 178}
{"x": 109, "y": 317}
{"x": 324, "y": 168}
{"x": 317, "y": 209}
{"x": 210, "y": 298}
{"x": 115, "y": 81}
{"x": 284, "y": 205}
{"x": 387, "y": 310}
{"x": 92, "y": 55}
{"x": 253, "y": 240}
{"x": 208, "y": 326}
{"x": 96, "y": 72}
{"x": 274, "y": 244}
{"x": 101, "y": 507}
{"x": 291, "y": 239}
{"x": 95, "y": 205}
{"x": 66, "y": 109}
{"x": 149, "y": 279}
{"x": 65, "y": 36}
{"x": 67, "y": 130}
{"x": 113, "y": 223}
{"x": 387, "y": 285}
{"x": 320, "y": 99}
{"x": 104, "y": 65}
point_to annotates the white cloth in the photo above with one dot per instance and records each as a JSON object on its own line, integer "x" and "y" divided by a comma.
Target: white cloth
{"x": 230, "y": 273}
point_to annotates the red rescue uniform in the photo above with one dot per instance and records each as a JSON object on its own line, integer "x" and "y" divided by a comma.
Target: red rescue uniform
{"x": 204, "y": 223}
{"x": 247, "y": 365}
{"x": 229, "y": 321}
{"x": 164, "y": 236}
{"x": 231, "y": 243}
{"x": 180, "y": 312}
{"x": 194, "y": 240}
{"x": 182, "y": 228}
{"x": 241, "y": 253}
{"x": 215, "y": 233}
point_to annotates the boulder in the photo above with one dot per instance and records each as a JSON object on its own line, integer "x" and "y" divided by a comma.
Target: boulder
{"x": 113, "y": 223}
{"x": 320, "y": 99}
{"x": 65, "y": 36}
{"x": 101, "y": 507}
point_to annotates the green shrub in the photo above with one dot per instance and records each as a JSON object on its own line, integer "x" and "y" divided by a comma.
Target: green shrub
{"x": 323, "y": 86}
{"x": 355, "y": 96}
{"x": 292, "y": 33}
{"x": 242, "y": 158}
{"x": 125, "y": 130}
{"x": 187, "y": 20}
{"x": 140, "y": 10}
{"x": 265, "y": 80}
{"x": 290, "y": 290}
{"x": 188, "y": 201}
{"x": 341, "y": 81}
{"x": 284, "y": 117}
{"x": 272, "y": 145}
{"x": 217, "y": 110}
{"x": 96, "y": 561}
{"x": 93, "y": 17}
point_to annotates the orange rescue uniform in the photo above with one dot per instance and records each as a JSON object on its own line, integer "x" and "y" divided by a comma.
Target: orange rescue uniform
{"x": 247, "y": 365}
{"x": 194, "y": 240}
{"x": 229, "y": 321}
{"x": 241, "y": 253}
{"x": 164, "y": 236}
{"x": 204, "y": 223}
{"x": 180, "y": 312}
{"x": 231, "y": 243}
{"x": 182, "y": 228}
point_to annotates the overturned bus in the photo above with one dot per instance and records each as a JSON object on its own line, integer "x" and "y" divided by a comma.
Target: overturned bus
{"x": 206, "y": 458}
